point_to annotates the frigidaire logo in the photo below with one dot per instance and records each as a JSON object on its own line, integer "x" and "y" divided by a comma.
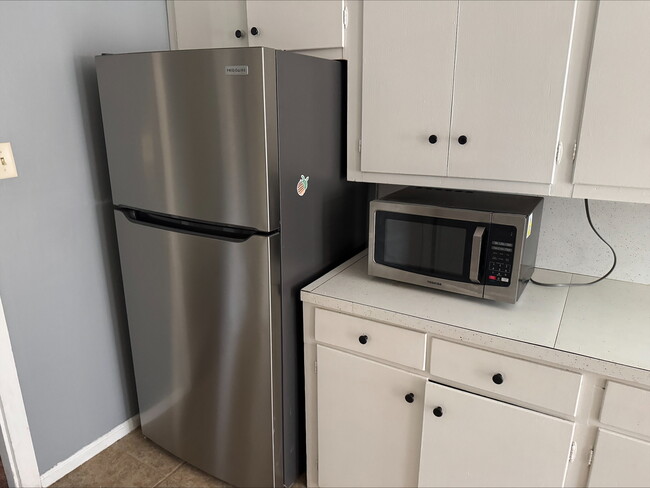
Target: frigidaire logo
{"x": 434, "y": 282}
{"x": 237, "y": 70}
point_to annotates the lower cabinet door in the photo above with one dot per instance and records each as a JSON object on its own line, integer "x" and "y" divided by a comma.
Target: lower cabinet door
{"x": 469, "y": 440}
{"x": 620, "y": 461}
{"x": 369, "y": 422}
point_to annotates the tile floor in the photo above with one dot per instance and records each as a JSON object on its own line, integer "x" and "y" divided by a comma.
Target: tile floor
{"x": 3, "y": 477}
{"x": 135, "y": 461}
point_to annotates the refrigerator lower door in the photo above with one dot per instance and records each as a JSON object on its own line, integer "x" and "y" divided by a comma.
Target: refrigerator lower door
{"x": 204, "y": 316}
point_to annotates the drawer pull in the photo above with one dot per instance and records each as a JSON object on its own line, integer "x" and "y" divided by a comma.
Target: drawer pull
{"x": 363, "y": 339}
{"x": 409, "y": 397}
{"x": 498, "y": 378}
{"x": 437, "y": 411}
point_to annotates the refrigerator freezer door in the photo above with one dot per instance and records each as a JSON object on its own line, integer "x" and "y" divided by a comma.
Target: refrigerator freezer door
{"x": 204, "y": 324}
{"x": 193, "y": 133}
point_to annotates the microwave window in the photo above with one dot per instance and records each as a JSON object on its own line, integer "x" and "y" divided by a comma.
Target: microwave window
{"x": 433, "y": 248}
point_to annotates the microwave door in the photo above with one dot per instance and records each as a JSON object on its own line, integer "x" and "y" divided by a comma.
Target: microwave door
{"x": 437, "y": 251}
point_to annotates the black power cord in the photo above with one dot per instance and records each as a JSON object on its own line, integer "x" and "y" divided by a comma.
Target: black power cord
{"x": 590, "y": 282}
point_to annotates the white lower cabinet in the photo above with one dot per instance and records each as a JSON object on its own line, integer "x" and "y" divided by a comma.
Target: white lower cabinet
{"x": 620, "y": 461}
{"x": 380, "y": 414}
{"x": 369, "y": 422}
{"x": 470, "y": 440}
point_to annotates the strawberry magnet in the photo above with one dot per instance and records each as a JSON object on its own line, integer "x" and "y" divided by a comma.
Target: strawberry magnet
{"x": 303, "y": 183}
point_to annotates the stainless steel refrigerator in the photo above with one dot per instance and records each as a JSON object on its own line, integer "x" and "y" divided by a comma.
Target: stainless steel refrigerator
{"x": 226, "y": 168}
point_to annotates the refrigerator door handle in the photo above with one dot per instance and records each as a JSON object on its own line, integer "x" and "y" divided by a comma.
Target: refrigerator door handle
{"x": 187, "y": 226}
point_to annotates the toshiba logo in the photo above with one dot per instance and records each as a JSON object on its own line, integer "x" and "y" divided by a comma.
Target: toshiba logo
{"x": 434, "y": 282}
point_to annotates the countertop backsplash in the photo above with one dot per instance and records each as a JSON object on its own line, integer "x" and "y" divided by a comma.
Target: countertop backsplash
{"x": 568, "y": 244}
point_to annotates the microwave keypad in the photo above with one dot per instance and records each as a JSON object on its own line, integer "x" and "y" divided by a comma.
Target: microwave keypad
{"x": 500, "y": 258}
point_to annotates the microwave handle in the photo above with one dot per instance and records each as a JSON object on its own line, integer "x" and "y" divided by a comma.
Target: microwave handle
{"x": 477, "y": 242}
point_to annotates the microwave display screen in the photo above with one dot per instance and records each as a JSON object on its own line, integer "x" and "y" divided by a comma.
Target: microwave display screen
{"x": 425, "y": 245}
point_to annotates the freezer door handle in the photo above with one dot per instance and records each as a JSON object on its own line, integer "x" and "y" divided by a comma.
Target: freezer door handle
{"x": 188, "y": 226}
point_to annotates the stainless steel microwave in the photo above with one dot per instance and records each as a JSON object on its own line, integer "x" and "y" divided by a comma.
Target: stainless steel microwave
{"x": 475, "y": 243}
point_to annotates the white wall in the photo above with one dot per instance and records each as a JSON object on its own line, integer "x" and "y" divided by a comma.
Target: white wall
{"x": 59, "y": 271}
{"x": 567, "y": 243}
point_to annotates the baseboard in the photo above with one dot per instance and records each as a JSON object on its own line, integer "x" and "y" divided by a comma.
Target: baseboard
{"x": 92, "y": 449}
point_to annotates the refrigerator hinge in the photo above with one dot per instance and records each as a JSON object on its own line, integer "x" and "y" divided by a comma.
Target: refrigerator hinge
{"x": 558, "y": 153}
{"x": 575, "y": 150}
{"x": 345, "y": 17}
{"x": 572, "y": 451}
{"x": 591, "y": 457}
{"x": 359, "y": 145}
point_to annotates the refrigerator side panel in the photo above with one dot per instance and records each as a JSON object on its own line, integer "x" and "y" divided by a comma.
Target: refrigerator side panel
{"x": 191, "y": 134}
{"x": 323, "y": 216}
{"x": 200, "y": 314}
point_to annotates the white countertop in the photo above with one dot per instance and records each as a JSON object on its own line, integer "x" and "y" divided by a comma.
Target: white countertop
{"x": 604, "y": 327}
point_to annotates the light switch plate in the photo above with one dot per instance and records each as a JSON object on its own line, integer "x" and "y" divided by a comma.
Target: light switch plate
{"x": 7, "y": 163}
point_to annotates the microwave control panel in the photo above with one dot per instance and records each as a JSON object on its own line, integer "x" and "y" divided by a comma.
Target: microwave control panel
{"x": 500, "y": 255}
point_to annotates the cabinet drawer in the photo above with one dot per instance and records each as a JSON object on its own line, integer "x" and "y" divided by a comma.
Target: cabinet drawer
{"x": 383, "y": 341}
{"x": 627, "y": 408}
{"x": 521, "y": 380}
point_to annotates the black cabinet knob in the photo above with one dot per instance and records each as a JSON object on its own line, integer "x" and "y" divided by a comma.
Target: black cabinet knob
{"x": 409, "y": 397}
{"x": 462, "y": 140}
{"x": 433, "y": 139}
{"x": 363, "y": 339}
{"x": 498, "y": 378}
{"x": 437, "y": 411}
{"x": 254, "y": 31}
{"x": 239, "y": 34}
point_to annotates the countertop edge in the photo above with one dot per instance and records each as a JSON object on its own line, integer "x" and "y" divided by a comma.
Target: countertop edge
{"x": 525, "y": 350}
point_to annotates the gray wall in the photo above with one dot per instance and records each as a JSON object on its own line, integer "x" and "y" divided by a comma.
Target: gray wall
{"x": 59, "y": 271}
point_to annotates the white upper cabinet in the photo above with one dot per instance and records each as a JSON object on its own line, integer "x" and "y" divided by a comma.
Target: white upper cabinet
{"x": 478, "y": 95}
{"x": 200, "y": 24}
{"x": 486, "y": 79}
{"x": 292, "y": 25}
{"x": 407, "y": 89}
{"x": 614, "y": 146}
{"x": 511, "y": 63}
{"x": 287, "y": 25}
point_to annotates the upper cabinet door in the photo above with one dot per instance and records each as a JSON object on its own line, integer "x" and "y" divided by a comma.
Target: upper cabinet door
{"x": 205, "y": 24}
{"x": 292, "y": 25}
{"x": 511, "y": 65}
{"x": 408, "y": 64}
{"x": 614, "y": 145}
